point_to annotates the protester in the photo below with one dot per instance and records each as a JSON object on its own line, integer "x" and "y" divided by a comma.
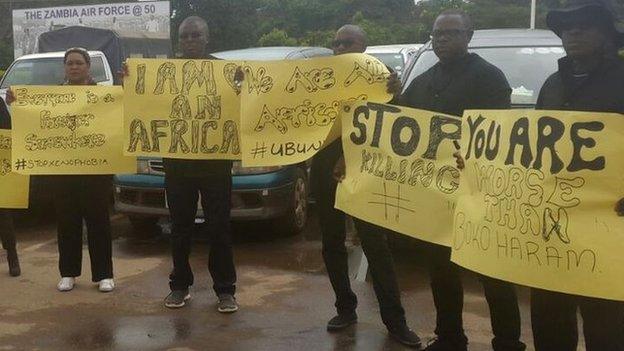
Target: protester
{"x": 7, "y": 232}
{"x": 461, "y": 81}
{"x": 590, "y": 78}
{"x": 82, "y": 197}
{"x": 185, "y": 180}
{"x": 352, "y": 39}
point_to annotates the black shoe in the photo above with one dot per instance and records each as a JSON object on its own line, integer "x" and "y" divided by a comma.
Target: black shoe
{"x": 227, "y": 303}
{"x": 177, "y": 298}
{"x": 14, "y": 266}
{"x": 341, "y": 321}
{"x": 406, "y": 336}
{"x": 446, "y": 344}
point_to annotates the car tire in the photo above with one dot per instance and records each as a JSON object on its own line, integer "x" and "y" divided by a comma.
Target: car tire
{"x": 144, "y": 226}
{"x": 297, "y": 215}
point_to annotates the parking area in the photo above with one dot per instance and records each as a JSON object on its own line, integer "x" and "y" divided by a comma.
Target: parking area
{"x": 283, "y": 291}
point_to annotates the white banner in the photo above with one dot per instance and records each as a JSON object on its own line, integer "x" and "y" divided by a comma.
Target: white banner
{"x": 132, "y": 17}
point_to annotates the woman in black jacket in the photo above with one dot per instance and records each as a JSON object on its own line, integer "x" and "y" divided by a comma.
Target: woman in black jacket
{"x": 82, "y": 197}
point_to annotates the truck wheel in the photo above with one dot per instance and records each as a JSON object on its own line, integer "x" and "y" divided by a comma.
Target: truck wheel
{"x": 297, "y": 216}
{"x": 144, "y": 227}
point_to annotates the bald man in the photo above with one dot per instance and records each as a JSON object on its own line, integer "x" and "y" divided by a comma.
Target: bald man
{"x": 185, "y": 180}
{"x": 352, "y": 39}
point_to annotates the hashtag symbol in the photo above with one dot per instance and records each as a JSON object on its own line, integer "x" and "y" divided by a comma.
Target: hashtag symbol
{"x": 20, "y": 164}
{"x": 259, "y": 150}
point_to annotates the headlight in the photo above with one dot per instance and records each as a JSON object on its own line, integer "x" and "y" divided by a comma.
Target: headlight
{"x": 238, "y": 169}
{"x": 143, "y": 167}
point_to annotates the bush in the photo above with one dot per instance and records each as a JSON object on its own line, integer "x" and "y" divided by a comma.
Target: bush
{"x": 276, "y": 37}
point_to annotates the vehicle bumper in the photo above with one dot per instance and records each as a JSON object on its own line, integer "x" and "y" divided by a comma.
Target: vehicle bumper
{"x": 144, "y": 195}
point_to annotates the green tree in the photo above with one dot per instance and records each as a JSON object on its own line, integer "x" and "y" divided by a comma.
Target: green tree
{"x": 277, "y": 37}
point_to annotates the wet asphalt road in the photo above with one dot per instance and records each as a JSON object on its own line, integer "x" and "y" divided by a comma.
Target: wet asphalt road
{"x": 284, "y": 294}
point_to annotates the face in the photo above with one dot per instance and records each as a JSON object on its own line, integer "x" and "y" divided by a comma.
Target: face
{"x": 347, "y": 42}
{"x": 450, "y": 37}
{"x": 76, "y": 68}
{"x": 582, "y": 39}
{"x": 193, "y": 39}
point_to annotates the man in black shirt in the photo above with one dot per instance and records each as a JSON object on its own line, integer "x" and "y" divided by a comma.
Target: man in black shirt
{"x": 7, "y": 233}
{"x": 184, "y": 181}
{"x": 458, "y": 82}
{"x": 590, "y": 78}
{"x": 352, "y": 39}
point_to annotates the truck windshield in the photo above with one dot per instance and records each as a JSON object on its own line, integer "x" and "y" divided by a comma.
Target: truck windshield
{"x": 392, "y": 60}
{"x": 47, "y": 71}
{"x": 526, "y": 68}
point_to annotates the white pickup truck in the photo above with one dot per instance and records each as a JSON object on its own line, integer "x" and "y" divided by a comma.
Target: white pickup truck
{"x": 47, "y": 69}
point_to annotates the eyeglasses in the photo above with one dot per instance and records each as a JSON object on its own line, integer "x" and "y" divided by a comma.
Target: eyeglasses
{"x": 192, "y": 35}
{"x": 448, "y": 33}
{"x": 344, "y": 42}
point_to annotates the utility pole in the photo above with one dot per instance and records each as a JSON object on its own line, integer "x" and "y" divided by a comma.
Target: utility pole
{"x": 533, "y": 12}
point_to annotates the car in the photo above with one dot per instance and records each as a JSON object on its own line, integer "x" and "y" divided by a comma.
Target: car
{"x": 395, "y": 56}
{"x": 47, "y": 69}
{"x": 527, "y": 57}
{"x": 277, "y": 194}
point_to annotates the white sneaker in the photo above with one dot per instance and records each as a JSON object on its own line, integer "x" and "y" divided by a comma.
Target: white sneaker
{"x": 66, "y": 284}
{"x": 107, "y": 285}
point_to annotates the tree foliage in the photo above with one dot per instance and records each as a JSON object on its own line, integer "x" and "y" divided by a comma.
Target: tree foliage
{"x": 247, "y": 23}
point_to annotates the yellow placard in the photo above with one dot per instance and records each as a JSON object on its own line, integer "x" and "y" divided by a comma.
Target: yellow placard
{"x": 289, "y": 107}
{"x": 69, "y": 130}
{"x": 537, "y": 198}
{"x": 13, "y": 187}
{"x": 187, "y": 109}
{"x": 400, "y": 170}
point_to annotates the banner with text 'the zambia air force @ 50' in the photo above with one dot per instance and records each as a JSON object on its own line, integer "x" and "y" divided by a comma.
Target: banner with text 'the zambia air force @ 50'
{"x": 400, "y": 172}
{"x": 69, "y": 130}
{"x": 537, "y": 198}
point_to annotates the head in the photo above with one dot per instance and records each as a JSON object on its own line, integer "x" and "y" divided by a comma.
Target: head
{"x": 587, "y": 29}
{"x": 452, "y": 31}
{"x": 77, "y": 66}
{"x": 193, "y": 37}
{"x": 349, "y": 39}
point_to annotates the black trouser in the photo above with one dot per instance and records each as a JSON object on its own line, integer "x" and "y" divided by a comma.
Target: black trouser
{"x": 374, "y": 245}
{"x": 448, "y": 297}
{"x": 182, "y": 197}
{"x": 78, "y": 198}
{"x": 7, "y": 232}
{"x": 553, "y": 319}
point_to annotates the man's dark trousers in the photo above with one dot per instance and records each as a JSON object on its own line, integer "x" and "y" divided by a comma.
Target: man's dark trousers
{"x": 555, "y": 328}
{"x": 7, "y": 232}
{"x": 448, "y": 297}
{"x": 182, "y": 197}
{"x": 374, "y": 245}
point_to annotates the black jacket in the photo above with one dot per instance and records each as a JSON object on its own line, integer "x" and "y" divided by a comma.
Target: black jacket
{"x": 600, "y": 91}
{"x": 468, "y": 83}
{"x": 5, "y": 117}
{"x": 198, "y": 168}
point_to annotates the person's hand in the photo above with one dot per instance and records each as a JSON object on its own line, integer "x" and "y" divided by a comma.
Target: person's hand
{"x": 393, "y": 85}
{"x": 619, "y": 208}
{"x": 123, "y": 72}
{"x": 239, "y": 77}
{"x": 340, "y": 169}
{"x": 459, "y": 160}
{"x": 10, "y": 96}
